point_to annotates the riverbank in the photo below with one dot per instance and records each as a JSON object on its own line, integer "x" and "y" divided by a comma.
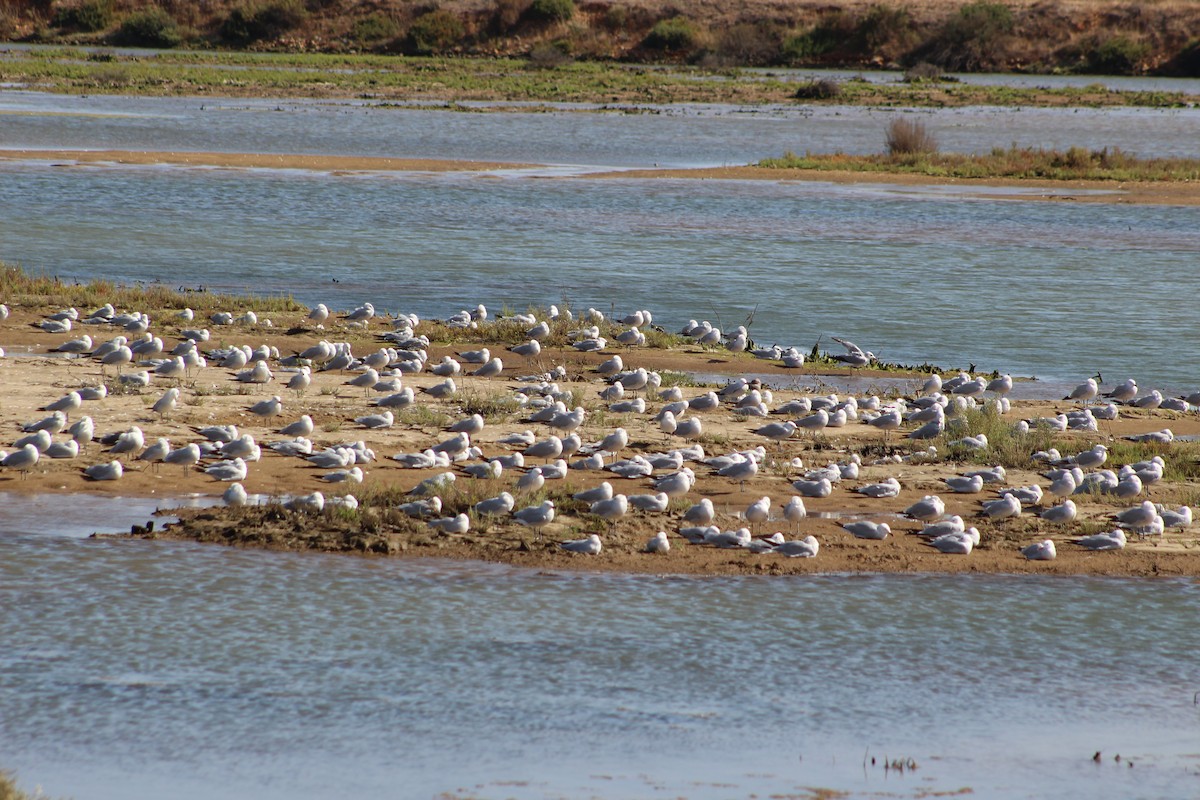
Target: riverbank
{"x": 1148, "y": 192}
{"x": 1108, "y": 37}
{"x": 212, "y": 396}
{"x": 488, "y": 85}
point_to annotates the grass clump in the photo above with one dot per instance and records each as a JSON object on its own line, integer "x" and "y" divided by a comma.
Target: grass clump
{"x": 1007, "y": 446}
{"x": 907, "y": 137}
{"x": 492, "y": 407}
{"x": 924, "y": 72}
{"x": 419, "y": 416}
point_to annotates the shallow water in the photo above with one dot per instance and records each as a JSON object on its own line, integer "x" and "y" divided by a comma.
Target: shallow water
{"x": 139, "y": 669}
{"x": 1053, "y": 290}
{"x": 1057, "y": 291}
{"x": 581, "y": 136}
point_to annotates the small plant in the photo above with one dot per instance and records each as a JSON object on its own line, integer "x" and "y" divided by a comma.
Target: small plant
{"x": 906, "y": 137}
{"x": 152, "y": 27}
{"x": 821, "y": 89}
{"x": 491, "y": 407}
{"x": 434, "y": 32}
{"x": 87, "y": 17}
{"x": 673, "y": 35}
{"x": 550, "y": 10}
{"x": 422, "y": 417}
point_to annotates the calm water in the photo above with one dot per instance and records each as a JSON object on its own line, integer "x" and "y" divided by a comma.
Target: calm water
{"x": 148, "y": 669}
{"x": 577, "y": 136}
{"x": 1053, "y": 290}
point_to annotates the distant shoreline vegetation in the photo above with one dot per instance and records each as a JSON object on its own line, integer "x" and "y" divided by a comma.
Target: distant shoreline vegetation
{"x": 1075, "y": 163}
{"x": 450, "y": 80}
{"x": 912, "y": 149}
{"x": 1103, "y": 37}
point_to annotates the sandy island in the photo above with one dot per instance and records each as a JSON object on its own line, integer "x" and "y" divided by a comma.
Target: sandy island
{"x": 1139, "y": 192}
{"x": 32, "y": 378}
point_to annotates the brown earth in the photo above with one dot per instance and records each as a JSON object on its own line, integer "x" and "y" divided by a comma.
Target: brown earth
{"x": 31, "y": 378}
{"x": 1059, "y": 34}
{"x": 1140, "y": 192}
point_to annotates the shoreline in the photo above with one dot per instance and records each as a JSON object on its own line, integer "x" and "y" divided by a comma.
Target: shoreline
{"x": 213, "y": 396}
{"x": 1181, "y": 193}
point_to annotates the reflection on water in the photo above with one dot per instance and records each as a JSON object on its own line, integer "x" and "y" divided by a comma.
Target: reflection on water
{"x": 144, "y": 669}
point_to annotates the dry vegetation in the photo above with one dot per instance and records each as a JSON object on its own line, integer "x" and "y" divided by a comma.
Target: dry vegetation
{"x": 1074, "y": 35}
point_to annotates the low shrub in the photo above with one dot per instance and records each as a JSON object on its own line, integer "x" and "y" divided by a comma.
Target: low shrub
{"x": 1118, "y": 55}
{"x": 906, "y": 137}
{"x": 86, "y": 17}
{"x": 374, "y": 29}
{"x": 884, "y": 27}
{"x": 615, "y": 18}
{"x": 434, "y": 32}
{"x": 550, "y": 10}
{"x": 1185, "y": 63}
{"x": 152, "y": 27}
{"x": 749, "y": 44}
{"x": 823, "y": 89}
{"x": 253, "y": 23}
{"x": 834, "y": 33}
{"x": 923, "y": 72}
{"x": 973, "y": 39}
{"x": 507, "y": 14}
{"x": 549, "y": 55}
{"x": 672, "y": 35}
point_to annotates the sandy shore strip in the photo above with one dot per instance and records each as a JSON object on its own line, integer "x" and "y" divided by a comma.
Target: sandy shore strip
{"x": 315, "y": 163}
{"x": 1132, "y": 192}
{"x": 33, "y": 377}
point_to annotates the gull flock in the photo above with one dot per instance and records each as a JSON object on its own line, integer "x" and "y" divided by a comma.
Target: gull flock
{"x": 124, "y": 353}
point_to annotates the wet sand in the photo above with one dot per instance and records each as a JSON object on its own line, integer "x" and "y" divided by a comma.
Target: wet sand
{"x": 32, "y": 378}
{"x": 1136, "y": 192}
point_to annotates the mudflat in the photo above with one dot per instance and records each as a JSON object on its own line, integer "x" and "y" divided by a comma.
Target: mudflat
{"x": 1184, "y": 193}
{"x": 33, "y": 376}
